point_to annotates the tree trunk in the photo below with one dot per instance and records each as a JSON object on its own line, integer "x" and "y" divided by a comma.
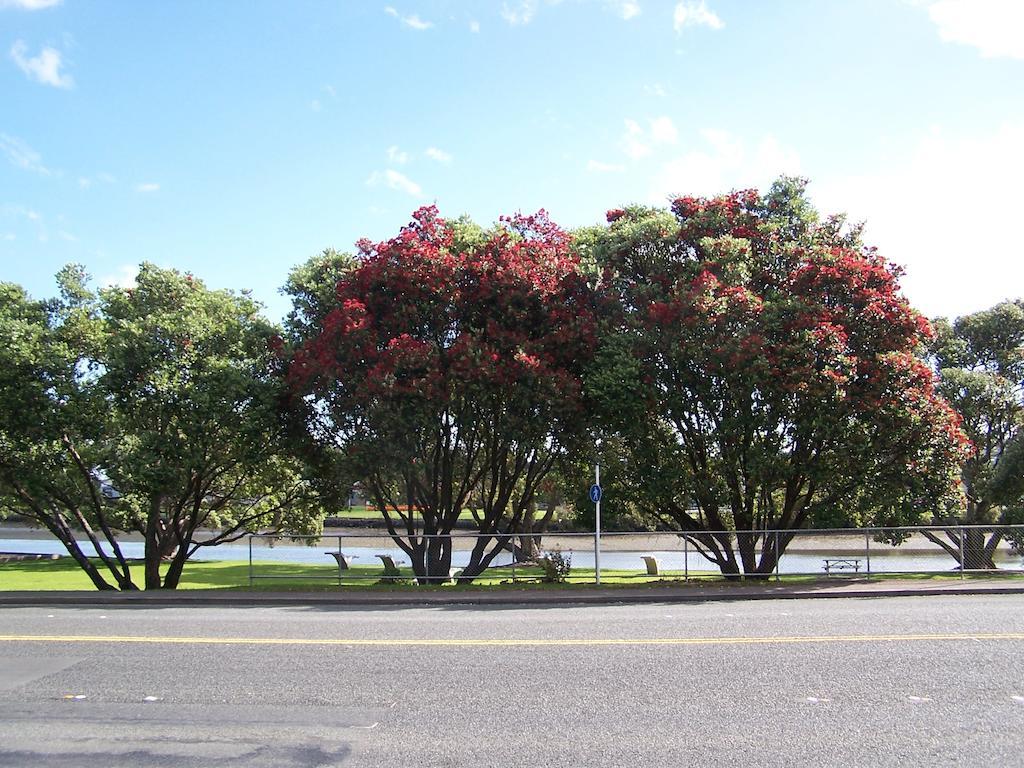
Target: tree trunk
{"x": 168, "y": 546}
{"x": 746, "y": 542}
{"x": 438, "y": 563}
{"x": 977, "y": 555}
{"x": 731, "y": 570}
{"x": 153, "y": 554}
{"x": 769, "y": 558}
{"x": 418, "y": 561}
{"x": 481, "y": 558}
{"x": 174, "y": 571}
{"x": 529, "y": 546}
{"x": 83, "y": 562}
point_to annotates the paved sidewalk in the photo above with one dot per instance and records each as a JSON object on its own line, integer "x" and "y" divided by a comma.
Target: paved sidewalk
{"x": 694, "y": 592}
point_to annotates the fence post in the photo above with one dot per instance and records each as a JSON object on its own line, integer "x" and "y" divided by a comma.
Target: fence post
{"x": 250, "y": 559}
{"x": 963, "y": 563}
{"x": 867, "y": 551}
{"x": 339, "y": 561}
{"x": 686, "y": 559}
{"x": 597, "y": 526}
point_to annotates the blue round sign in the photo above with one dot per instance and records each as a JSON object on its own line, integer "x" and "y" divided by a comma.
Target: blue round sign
{"x": 595, "y": 493}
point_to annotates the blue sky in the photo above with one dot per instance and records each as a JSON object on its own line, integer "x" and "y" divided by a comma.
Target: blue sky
{"x": 235, "y": 140}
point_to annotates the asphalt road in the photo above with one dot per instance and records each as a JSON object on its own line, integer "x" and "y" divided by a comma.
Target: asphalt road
{"x": 929, "y": 681}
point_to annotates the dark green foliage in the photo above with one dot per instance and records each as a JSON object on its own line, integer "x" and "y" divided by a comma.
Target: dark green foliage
{"x": 153, "y": 409}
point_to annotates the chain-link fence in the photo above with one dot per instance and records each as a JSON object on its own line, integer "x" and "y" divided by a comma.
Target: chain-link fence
{"x": 374, "y": 556}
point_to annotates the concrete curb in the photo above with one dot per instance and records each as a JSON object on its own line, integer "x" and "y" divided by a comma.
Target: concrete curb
{"x": 504, "y": 598}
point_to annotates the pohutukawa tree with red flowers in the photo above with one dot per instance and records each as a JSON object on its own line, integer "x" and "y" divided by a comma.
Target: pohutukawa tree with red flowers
{"x": 449, "y": 376}
{"x": 765, "y": 375}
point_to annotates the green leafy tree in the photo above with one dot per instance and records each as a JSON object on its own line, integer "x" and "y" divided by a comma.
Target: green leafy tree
{"x": 763, "y": 375}
{"x": 156, "y": 410}
{"x": 980, "y": 360}
{"x": 51, "y": 436}
{"x": 312, "y": 287}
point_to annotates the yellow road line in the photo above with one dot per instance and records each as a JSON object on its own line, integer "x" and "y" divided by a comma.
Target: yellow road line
{"x": 507, "y": 642}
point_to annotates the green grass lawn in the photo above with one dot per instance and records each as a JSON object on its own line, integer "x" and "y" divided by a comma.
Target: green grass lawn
{"x": 64, "y": 574}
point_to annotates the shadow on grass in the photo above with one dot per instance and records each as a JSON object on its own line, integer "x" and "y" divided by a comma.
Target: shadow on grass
{"x": 65, "y": 575}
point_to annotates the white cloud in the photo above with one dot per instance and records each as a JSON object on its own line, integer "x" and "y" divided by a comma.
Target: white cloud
{"x": 633, "y": 143}
{"x": 315, "y": 105}
{"x": 663, "y": 131}
{"x": 474, "y": 26}
{"x": 946, "y": 211}
{"x": 656, "y": 90}
{"x": 628, "y": 9}
{"x": 416, "y": 22}
{"x": 724, "y": 162}
{"x": 394, "y": 180}
{"x": 412, "y": 21}
{"x": 67, "y": 236}
{"x": 124, "y": 277}
{"x": 994, "y": 27}
{"x": 44, "y": 68}
{"x": 439, "y": 155}
{"x": 397, "y": 156}
{"x": 148, "y": 186}
{"x": 106, "y": 178}
{"x": 726, "y": 146}
{"x": 29, "y": 5}
{"x": 598, "y": 167}
{"x": 522, "y": 12}
{"x": 695, "y": 13}
{"x": 9, "y": 236}
{"x": 638, "y": 142}
{"x": 22, "y": 155}
{"x": 331, "y": 91}
{"x": 84, "y": 183}
{"x": 519, "y": 13}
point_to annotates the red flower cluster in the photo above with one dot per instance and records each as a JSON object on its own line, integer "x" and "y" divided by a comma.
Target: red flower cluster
{"x": 424, "y": 322}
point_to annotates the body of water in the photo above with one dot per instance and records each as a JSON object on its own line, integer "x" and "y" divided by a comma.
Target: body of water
{"x": 883, "y": 559}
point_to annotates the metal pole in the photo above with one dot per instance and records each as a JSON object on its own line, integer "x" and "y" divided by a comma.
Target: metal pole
{"x": 250, "y": 559}
{"x": 963, "y": 565}
{"x": 339, "y": 561}
{"x": 867, "y": 552}
{"x": 597, "y": 528}
{"x": 686, "y": 559}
